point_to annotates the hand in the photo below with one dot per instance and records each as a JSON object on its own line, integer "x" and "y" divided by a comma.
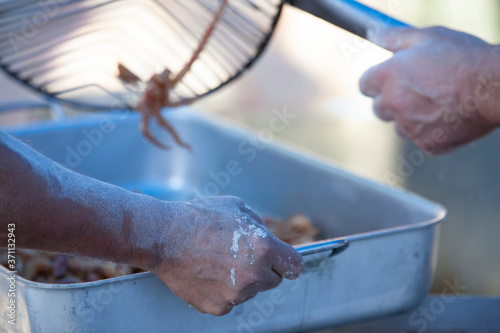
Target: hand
{"x": 441, "y": 87}
{"x": 220, "y": 254}
{"x": 213, "y": 253}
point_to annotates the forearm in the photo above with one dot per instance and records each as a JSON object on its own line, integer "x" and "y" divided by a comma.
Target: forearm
{"x": 213, "y": 252}
{"x": 57, "y": 210}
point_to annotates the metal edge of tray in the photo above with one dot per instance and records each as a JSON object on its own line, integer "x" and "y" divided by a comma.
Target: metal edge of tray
{"x": 334, "y": 245}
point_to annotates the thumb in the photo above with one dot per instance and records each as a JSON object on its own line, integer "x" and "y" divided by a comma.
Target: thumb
{"x": 395, "y": 39}
{"x": 286, "y": 261}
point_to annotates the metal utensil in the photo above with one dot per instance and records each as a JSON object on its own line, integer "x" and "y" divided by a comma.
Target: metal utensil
{"x": 71, "y": 50}
{"x": 336, "y": 247}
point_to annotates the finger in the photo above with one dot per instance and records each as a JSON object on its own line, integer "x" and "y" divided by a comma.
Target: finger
{"x": 372, "y": 81}
{"x": 382, "y": 109}
{"x": 246, "y": 298}
{"x": 401, "y": 131}
{"x": 245, "y": 209}
{"x": 216, "y": 308}
{"x": 286, "y": 261}
{"x": 213, "y": 306}
{"x": 266, "y": 280}
{"x": 207, "y": 300}
{"x": 396, "y": 39}
{"x": 271, "y": 279}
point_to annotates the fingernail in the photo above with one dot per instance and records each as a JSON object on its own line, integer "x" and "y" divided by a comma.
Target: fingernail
{"x": 370, "y": 93}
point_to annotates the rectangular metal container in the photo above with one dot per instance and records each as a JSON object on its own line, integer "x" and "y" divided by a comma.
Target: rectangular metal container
{"x": 387, "y": 268}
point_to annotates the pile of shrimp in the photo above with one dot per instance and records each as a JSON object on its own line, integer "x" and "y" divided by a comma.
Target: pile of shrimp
{"x": 57, "y": 268}
{"x": 298, "y": 229}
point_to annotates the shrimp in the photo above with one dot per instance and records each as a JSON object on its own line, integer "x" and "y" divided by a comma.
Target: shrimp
{"x": 157, "y": 93}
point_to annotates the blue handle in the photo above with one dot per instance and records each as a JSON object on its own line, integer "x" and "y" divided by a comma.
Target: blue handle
{"x": 334, "y": 247}
{"x": 348, "y": 14}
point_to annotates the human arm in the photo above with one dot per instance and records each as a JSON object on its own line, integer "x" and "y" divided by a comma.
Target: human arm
{"x": 441, "y": 87}
{"x": 189, "y": 245}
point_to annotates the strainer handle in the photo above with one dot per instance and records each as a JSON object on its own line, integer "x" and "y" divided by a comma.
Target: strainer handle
{"x": 348, "y": 14}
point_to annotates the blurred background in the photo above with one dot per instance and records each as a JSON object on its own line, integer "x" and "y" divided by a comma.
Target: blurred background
{"x": 312, "y": 69}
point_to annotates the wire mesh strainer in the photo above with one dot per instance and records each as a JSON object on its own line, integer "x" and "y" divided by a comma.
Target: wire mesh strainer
{"x": 71, "y": 49}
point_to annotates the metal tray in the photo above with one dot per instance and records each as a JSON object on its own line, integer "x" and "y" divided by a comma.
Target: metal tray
{"x": 386, "y": 269}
